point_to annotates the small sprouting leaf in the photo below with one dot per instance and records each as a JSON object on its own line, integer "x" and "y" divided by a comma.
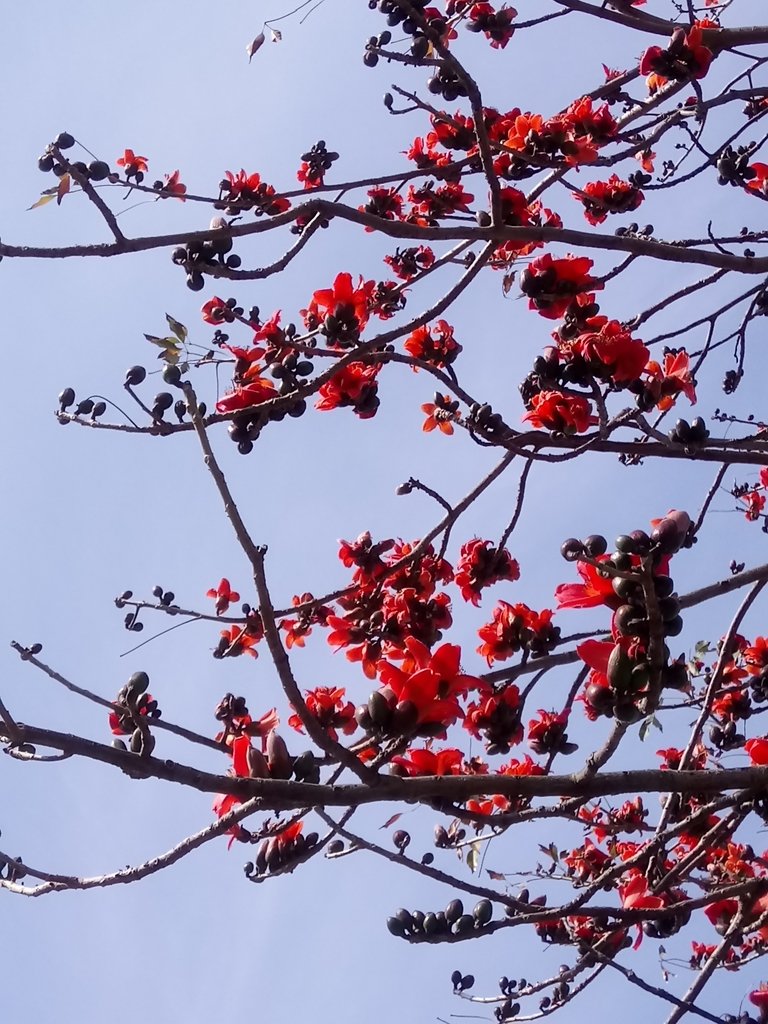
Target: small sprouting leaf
{"x": 550, "y": 851}
{"x": 64, "y": 184}
{"x": 178, "y": 329}
{"x": 702, "y": 647}
{"x": 392, "y": 820}
{"x": 277, "y": 35}
{"x": 42, "y": 201}
{"x": 254, "y": 45}
{"x": 473, "y": 857}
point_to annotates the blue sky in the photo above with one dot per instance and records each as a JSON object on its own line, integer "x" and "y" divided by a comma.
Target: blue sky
{"x": 89, "y": 514}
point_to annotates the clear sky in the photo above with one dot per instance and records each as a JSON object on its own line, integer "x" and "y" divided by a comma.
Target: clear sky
{"x": 88, "y": 514}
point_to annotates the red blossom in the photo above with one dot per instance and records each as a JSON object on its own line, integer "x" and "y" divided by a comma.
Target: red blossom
{"x": 481, "y": 565}
{"x": 596, "y": 589}
{"x": 424, "y": 761}
{"x": 551, "y": 284}
{"x": 355, "y": 387}
{"x": 223, "y": 596}
{"x": 327, "y": 705}
{"x": 601, "y": 198}
{"x": 560, "y": 412}
{"x": 172, "y": 187}
{"x": 435, "y": 345}
{"x": 215, "y": 311}
{"x": 514, "y": 627}
{"x": 132, "y": 163}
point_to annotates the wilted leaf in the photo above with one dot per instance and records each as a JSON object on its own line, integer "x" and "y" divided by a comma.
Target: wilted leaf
{"x": 64, "y": 183}
{"x": 41, "y": 201}
{"x": 255, "y": 45}
{"x": 178, "y": 329}
{"x": 473, "y": 857}
{"x": 497, "y": 876}
{"x": 507, "y": 281}
{"x": 392, "y": 820}
{"x": 277, "y": 35}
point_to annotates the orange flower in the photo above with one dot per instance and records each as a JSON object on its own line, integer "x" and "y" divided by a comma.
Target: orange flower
{"x": 132, "y": 163}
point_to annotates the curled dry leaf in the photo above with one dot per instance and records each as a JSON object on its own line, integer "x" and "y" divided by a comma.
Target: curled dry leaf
{"x": 254, "y": 45}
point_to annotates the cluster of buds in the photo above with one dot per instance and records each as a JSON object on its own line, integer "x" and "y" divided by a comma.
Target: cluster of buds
{"x": 417, "y": 926}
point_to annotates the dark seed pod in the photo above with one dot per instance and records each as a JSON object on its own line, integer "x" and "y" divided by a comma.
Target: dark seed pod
{"x": 401, "y": 839}
{"x": 136, "y": 741}
{"x": 483, "y": 912}
{"x": 571, "y": 549}
{"x": 379, "y": 709}
{"x": 674, "y": 627}
{"x": 456, "y": 979}
{"x": 66, "y": 398}
{"x": 464, "y": 925}
{"x": 134, "y": 376}
{"x": 454, "y": 911}
{"x": 334, "y": 847}
{"x": 595, "y": 545}
{"x": 138, "y": 683}
{"x": 663, "y": 586}
{"x": 396, "y": 927}
{"x": 405, "y": 916}
{"x": 431, "y": 925}
{"x": 119, "y": 744}
{"x": 279, "y": 759}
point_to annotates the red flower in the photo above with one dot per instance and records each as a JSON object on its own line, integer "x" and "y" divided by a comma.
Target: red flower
{"x": 560, "y": 412}
{"x": 755, "y": 503}
{"x": 757, "y": 750}
{"x": 342, "y": 300}
{"x": 481, "y": 565}
{"x": 424, "y": 761}
{"x": 327, "y": 705}
{"x": 435, "y": 345}
{"x": 516, "y": 626}
{"x": 671, "y": 379}
{"x": 547, "y": 735}
{"x": 721, "y": 913}
{"x": 496, "y": 719}
{"x": 244, "y": 396}
{"x": 355, "y": 387}
{"x": 438, "y": 417}
{"x": 236, "y": 641}
{"x": 610, "y": 350}
{"x": 756, "y": 656}
{"x": 173, "y": 187}
{"x": 407, "y": 263}
{"x": 613, "y": 196}
{"x": 636, "y": 895}
{"x": 223, "y": 804}
{"x": 215, "y": 311}
{"x": 248, "y": 191}
{"x": 223, "y": 595}
{"x": 496, "y": 25}
{"x": 759, "y": 183}
{"x": 595, "y": 590}
{"x": 431, "y": 682}
{"x": 685, "y": 57}
{"x": 550, "y": 284}
{"x": 133, "y": 164}
{"x": 386, "y": 203}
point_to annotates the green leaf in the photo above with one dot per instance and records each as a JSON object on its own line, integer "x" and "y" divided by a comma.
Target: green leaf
{"x": 702, "y": 647}
{"x": 178, "y": 329}
{"x": 473, "y": 857}
{"x": 43, "y": 200}
{"x": 171, "y": 348}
